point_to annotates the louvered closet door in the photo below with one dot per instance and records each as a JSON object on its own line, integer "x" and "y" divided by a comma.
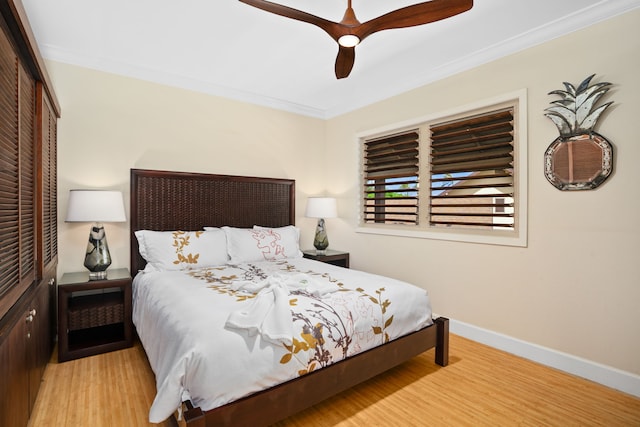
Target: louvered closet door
{"x": 47, "y": 233}
{"x": 48, "y": 241}
{"x": 17, "y": 227}
{"x": 17, "y": 177}
{"x": 9, "y": 182}
{"x": 27, "y": 110}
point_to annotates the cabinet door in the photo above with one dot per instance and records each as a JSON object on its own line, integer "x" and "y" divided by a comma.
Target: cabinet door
{"x": 14, "y": 387}
{"x": 38, "y": 340}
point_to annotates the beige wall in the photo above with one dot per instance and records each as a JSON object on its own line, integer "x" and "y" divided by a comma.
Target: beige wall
{"x": 575, "y": 288}
{"x": 110, "y": 124}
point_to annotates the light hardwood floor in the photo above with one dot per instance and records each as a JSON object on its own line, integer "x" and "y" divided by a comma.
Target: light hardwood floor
{"x": 481, "y": 387}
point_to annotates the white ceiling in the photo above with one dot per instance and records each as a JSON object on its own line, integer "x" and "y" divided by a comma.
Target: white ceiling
{"x": 227, "y": 48}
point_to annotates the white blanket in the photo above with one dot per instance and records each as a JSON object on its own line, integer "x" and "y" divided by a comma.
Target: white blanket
{"x": 216, "y": 335}
{"x": 270, "y": 314}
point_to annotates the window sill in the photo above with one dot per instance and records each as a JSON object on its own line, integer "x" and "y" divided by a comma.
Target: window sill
{"x": 504, "y": 238}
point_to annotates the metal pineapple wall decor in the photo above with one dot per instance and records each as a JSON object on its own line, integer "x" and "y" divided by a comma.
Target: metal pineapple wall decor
{"x": 580, "y": 158}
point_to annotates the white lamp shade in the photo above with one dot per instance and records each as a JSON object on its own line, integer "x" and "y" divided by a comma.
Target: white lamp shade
{"x": 321, "y": 207}
{"x": 95, "y": 206}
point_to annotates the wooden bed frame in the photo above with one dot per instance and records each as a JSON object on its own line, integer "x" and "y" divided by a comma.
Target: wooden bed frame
{"x": 165, "y": 201}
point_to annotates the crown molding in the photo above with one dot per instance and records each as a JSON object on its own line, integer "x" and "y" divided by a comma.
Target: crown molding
{"x": 583, "y": 18}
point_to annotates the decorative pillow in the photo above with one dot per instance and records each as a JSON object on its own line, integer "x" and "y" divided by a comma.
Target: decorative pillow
{"x": 182, "y": 250}
{"x": 289, "y": 238}
{"x": 262, "y": 243}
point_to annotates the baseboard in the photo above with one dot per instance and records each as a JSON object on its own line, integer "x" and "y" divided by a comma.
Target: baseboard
{"x": 626, "y": 382}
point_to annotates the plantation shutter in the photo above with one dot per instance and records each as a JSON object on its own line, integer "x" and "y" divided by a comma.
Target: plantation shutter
{"x": 472, "y": 183}
{"x": 391, "y": 172}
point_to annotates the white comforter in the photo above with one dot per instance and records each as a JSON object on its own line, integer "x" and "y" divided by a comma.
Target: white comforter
{"x": 218, "y": 334}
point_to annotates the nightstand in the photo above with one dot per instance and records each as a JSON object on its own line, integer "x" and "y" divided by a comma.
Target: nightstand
{"x": 341, "y": 259}
{"x": 94, "y": 316}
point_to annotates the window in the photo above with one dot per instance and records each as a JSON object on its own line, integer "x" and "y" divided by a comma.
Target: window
{"x": 459, "y": 175}
{"x": 472, "y": 172}
{"x": 391, "y": 179}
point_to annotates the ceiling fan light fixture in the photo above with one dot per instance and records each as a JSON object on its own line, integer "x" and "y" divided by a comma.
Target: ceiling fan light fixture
{"x": 349, "y": 40}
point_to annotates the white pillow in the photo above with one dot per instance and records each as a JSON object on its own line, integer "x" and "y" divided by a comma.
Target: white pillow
{"x": 182, "y": 250}
{"x": 289, "y": 238}
{"x": 262, "y": 243}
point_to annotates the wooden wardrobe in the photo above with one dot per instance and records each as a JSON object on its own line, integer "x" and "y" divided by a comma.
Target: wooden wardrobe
{"x": 28, "y": 216}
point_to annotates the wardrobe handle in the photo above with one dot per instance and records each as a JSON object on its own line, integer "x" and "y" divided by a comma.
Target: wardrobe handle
{"x": 33, "y": 312}
{"x": 52, "y": 281}
{"x": 29, "y": 318}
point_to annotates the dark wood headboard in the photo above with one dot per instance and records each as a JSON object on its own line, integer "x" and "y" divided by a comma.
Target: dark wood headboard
{"x": 166, "y": 201}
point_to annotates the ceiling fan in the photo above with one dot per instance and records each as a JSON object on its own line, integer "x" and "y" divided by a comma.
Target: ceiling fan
{"x": 350, "y": 32}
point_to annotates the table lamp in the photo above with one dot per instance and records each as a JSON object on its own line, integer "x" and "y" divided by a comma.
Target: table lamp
{"x": 96, "y": 206}
{"x": 321, "y": 208}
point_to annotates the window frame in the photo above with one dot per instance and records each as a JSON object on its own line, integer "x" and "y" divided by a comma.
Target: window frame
{"x": 517, "y": 236}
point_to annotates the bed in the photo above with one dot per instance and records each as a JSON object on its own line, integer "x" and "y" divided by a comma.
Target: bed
{"x": 165, "y": 201}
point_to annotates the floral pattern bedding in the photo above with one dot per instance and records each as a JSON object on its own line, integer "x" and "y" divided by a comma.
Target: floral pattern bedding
{"x": 217, "y": 334}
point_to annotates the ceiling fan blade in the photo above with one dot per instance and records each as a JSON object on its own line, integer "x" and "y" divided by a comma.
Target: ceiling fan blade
{"x": 417, "y": 14}
{"x": 332, "y": 28}
{"x": 345, "y": 60}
